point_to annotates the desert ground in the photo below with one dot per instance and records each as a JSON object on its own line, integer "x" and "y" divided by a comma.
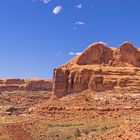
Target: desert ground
{"x": 81, "y": 116}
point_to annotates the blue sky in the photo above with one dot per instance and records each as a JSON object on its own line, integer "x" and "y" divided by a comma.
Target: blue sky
{"x": 38, "y": 35}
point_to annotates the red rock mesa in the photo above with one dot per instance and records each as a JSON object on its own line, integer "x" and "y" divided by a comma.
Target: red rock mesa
{"x": 100, "y": 68}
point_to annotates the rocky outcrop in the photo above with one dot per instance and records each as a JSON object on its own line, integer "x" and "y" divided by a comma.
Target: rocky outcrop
{"x": 100, "y": 68}
{"x": 129, "y": 54}
{"x": 12, "y": 84}
{"x": 97, "y": 53}
{"x": 38, "y": 85}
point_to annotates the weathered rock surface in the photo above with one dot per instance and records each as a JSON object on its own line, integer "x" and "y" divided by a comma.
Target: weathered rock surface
{"x": 100, "y": 68}
{"x": 12, "y": 84}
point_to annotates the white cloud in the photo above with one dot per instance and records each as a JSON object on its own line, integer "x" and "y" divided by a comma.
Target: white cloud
{"x": 74, "y": 53}
{"x": 57, "y": 10}
{"x": 102, "y": 42}
{"x": 46, "y": 1}
{"x": 79, "y": 23}
{"x": 79, "y": 6}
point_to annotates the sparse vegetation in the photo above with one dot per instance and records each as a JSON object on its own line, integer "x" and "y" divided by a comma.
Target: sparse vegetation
{"x": 77, "y": 133}
{"x": 66, "y": 125}
{"x": 107, "y": 101}
{"x": 81, "y": 123}
{"x": 67, "y": 138}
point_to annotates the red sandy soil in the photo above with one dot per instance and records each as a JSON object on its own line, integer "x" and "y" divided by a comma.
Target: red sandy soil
{"x": 82, "y": 116}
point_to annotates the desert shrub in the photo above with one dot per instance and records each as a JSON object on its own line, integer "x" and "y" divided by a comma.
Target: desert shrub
{"x": 106, "y": 101}
{"x": 66, "y": 125}
{"x": 125, "y": 97}
{"x": 86, "y": 132}
{"x": 77, "y": 133}
{"x": 103, "y": 128}
{"x": 67, "y": 138}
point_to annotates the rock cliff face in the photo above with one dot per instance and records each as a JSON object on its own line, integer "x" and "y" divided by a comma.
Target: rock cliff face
{"x": 12, "y": 84}
{"x": 100, "y": 68}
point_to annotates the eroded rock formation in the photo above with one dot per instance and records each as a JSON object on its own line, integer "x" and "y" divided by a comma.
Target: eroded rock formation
{"x": 12, "y": 84}
{"x": 100, "y": 68}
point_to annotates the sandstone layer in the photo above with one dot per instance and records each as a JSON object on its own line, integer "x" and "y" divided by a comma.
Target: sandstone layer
{"x": 100, "y": 68}
{"x": 13, "y": 84}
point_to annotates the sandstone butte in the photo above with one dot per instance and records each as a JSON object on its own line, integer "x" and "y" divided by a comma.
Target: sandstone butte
{"x": 100, "y": 68}
{"x": 14, "y": 84}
